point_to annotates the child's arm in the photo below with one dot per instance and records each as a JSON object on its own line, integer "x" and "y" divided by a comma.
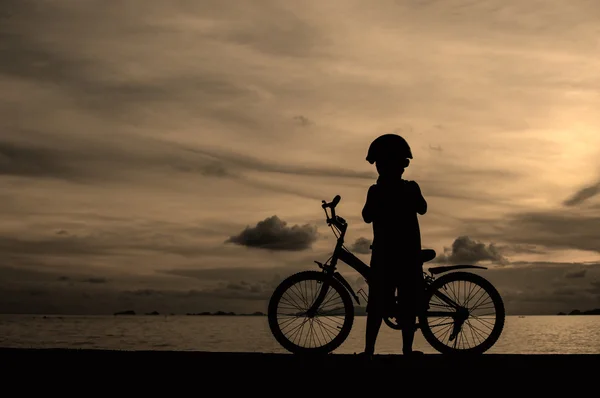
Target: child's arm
{"x": 368, "y": 211}
{"x": 420, "y": 202}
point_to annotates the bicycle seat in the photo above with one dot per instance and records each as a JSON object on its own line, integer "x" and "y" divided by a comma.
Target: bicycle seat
{"x": 427, "y": 255}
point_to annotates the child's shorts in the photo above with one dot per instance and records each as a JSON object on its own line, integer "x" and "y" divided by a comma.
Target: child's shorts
{"x": 385, "y": 284}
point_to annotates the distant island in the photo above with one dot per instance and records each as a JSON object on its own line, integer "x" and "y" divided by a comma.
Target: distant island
{"x": 358, "y": 311}
{"x": 595, "y": 311}
{"x": 257, "y": 313}
{"x": 131, "y": 312}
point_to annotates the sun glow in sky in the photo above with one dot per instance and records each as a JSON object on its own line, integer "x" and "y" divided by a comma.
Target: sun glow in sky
{"x": 137, "y": 137}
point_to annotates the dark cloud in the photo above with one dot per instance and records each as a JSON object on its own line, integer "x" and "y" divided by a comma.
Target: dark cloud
{"x": 38, "y": 45}
{"x": 541, "y": 287}
{"x": 527, "y": 288}
{"x": 96, "y": 280}
{"x": 520, "y": 249}
{"x": 43, "y": 292}
{"x": 47, "y": 277}
{"x": 559, "y": 229}
{"x": 274, "y": 234}
{"x": 27, "y": 55}
{"x": 77, "y": 161}
{"x": 244, "y": 161}
{"x": 595, "y": 288}
{"x": 272, "y": 274}
{"x": 105, "y": 244}
{"x": 361, "y": 245}
{"x": 583, "y": 195}
{"x": 466, "y": 250}
{"x": 269, "y": 272}
{"x": 240, "y": 290}
{"x": 85, "y": 160}
{"x": 32, "y": 160}
{"x": 57, "y": 246}
{"x": 580, "y": 273}
{"x": 563, "y": 228}
{"x": 302, "y": 120}
{"x": 125, "y": 159}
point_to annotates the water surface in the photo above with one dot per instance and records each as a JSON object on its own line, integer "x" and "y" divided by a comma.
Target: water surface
{"x": 522, "y": 335}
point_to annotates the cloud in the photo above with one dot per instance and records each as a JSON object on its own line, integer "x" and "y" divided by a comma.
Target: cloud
{"x": 96, "y": 280}
{"x": 273, "y": 273}
{"x": 595, "y": 288}
{"x": 110, "y": 243}
{"x": 583, "y": 195}
{"x": 576, "y": 273}
{"x": 129, "y": 139}
{"x": 246, "y": 161}
{"x": 146, "y": 160}
{"x": 274, "y": 234}
{"x": 86, "y": 159}
{"x": 553, "y": 229}
{"x": 361, "y": 245}
{"x": 239, "y": 290}
{"x": 520, "y": 249}
{"x": 466, "y": 250}
{"x": 303, "y": 120}
{"x": 527, "y": 288}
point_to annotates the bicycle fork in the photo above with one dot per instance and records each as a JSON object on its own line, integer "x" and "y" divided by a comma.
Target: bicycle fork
{"x": 312, "y": 311}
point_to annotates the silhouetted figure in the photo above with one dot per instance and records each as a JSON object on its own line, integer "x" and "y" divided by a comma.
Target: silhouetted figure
{"x": 392, "y": 206}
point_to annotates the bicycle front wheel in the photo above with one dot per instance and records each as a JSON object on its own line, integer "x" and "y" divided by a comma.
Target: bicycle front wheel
{"x": 301, "y": 331}
{"x": 465, "y": 314}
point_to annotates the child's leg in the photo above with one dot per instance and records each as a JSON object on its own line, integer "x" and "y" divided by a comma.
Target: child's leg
{"x": 410, "y": 295}
{"x": 408, "y": 335}
{"x": 375, "y": 311}
{"x": 374, "y": 320}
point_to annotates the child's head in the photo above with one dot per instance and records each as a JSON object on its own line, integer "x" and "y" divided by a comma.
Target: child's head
{"x": 390, "y": 153}
{"x": 391, "y": 166}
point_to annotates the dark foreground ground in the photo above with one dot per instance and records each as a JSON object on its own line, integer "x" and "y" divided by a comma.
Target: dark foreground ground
{"x": 255, "y": 371}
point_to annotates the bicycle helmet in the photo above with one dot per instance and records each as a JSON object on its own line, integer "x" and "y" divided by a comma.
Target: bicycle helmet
{"x": 388, "y": 146}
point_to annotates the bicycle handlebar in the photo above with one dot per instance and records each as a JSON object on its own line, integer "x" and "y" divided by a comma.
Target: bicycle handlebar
{"x": 334, "y": 218}
{"x": 333, "y": 203}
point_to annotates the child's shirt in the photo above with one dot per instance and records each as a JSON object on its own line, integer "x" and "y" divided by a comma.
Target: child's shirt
{"x": 393, "y": 205}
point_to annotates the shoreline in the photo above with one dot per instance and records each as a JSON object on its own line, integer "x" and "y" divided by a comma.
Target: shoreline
{"x": 232, "y": 361}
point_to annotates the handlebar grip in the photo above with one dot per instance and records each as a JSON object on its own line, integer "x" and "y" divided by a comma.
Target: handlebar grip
{"x": 333, "y": 203}
{"x": 336, "y": 200}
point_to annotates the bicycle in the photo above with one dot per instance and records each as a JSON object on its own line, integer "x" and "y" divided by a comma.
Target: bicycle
{"x": 441, "y": 311}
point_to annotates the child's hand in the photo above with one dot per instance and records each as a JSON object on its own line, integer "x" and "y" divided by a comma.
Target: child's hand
{"x": 413, "y": 187}
{"x": 415, "y": 192}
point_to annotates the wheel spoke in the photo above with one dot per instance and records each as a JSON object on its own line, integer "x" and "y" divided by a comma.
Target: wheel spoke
{"x": 295, "y": 328}
{"x": 478, "y": 321}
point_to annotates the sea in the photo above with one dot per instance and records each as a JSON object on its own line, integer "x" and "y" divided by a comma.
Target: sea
{"x": 543, "y": 334}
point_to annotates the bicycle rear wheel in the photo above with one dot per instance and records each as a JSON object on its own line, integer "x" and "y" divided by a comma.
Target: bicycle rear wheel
{"x": 474, "y": 326}
{"x": 301, "y": 333}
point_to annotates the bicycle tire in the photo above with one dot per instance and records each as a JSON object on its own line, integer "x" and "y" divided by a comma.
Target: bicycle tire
{"x": 287, "y": 284}
{"x": 496, "y": 300}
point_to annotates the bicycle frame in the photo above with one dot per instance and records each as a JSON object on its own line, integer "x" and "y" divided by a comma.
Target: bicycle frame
{"x": 340, "y": 253}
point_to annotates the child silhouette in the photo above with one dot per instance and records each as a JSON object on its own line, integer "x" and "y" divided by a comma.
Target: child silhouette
{"x": 392, "y": 206}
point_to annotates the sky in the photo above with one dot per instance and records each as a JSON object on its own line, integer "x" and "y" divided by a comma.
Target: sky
{"x": 172, "y": 156}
